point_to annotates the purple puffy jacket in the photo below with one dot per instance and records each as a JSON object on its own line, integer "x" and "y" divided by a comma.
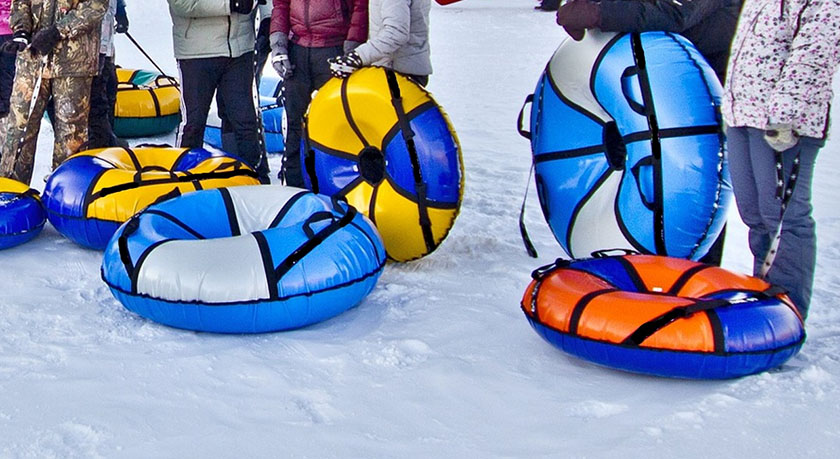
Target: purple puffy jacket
{"x": 321, "y": 23}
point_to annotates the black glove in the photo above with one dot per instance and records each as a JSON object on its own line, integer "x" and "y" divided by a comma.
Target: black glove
{"x": 344, "y": 66}
{"x": 241, "y": 6}
{"x": 44, "y": 40}
{"x": 122, "y": 21}
{"x": 19, "y": 42}
{"x": 579, "y": 15}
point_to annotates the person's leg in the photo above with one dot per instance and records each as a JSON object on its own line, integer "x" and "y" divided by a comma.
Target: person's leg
{"x": 7, "y": 77}
{"x": 297, "y": 91}
{"x": 99, "y": 124}
{"x": 199, "y": 79}
{"x": 72, "y": 105}
{"x": 751, "y": 186}
{"x": 236, "y": 91}
{"x": 18, "y": 156}
{"x": 796, "y": 258}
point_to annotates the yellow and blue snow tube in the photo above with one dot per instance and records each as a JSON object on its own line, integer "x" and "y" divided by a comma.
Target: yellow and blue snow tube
{"x": 148, "y": 103}
{"x": 93, "y": 192}
{"x": 381, "y": 141}
{"x": 21, "y": 213}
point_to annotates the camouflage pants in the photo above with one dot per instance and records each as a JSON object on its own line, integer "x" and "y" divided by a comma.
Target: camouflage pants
{"x": 71, "y": 96}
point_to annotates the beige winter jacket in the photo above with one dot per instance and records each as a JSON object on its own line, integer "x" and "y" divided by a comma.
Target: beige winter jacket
{"x": 207, "y": 28}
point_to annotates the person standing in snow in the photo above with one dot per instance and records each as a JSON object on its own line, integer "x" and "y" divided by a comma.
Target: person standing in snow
{"x": 708, "y": 24}
{"x": 103, "y": 90}
{"x": 57, "y": 45}
{"x": 399, "y": 40}
{"x": 304, "y": 34}
{"x": 7, "y": 60}
{"x": 776, "y": 111}
{"x": 214, "y": 47}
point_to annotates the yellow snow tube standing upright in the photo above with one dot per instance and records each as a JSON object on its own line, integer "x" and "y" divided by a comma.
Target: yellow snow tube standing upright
{"x": 148, "y": 103}
{"x": 381, "y": 141}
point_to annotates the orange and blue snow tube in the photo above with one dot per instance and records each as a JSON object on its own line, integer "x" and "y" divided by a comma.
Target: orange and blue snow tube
{"x": 663, "y": 316}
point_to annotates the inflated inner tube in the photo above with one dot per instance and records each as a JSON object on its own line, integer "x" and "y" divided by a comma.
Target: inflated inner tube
{"x": 22, "y": 216}
{"x": 148, "y": 103}
{"x": 628, "y": 146}
{"x": 244, "y": 260}
{"x": 663, "y": 316}
{"x": 382, "y": 142}
{"x": 95, "y": 191}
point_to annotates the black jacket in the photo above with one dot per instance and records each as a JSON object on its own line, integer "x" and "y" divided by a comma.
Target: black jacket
{"x": 708, "y": 24}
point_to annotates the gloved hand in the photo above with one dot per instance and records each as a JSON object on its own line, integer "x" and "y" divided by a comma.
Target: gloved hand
{"x": 344, "y": 66}
{"x": 18, "y": 43}
{"x": 579, "y": 15}
{"x": 280, "y": 54}
{"x": 122, "y": 21}
{"x": 241, "y": 6}
{"x": 780, "y": 136}
{"x": 44, "y": 40}
{"x": 350, "y": 45}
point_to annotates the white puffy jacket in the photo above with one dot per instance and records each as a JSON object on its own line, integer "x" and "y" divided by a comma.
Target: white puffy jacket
{"x": 398, "y": 36}
{"x": 207, "y": 28}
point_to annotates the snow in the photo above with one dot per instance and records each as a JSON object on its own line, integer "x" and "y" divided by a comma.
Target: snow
{"x": 438, "y": 361}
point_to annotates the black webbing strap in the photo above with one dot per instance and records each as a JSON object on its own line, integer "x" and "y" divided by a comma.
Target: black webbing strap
{"x": 408, "y": 136}
{"x": 655, "y": 144}
{"x": 216, "y": 175}
{"x": 308, "y": 157}
{"x": 539, "y": 276}
{"x": 315, "y": 239}
{"x": 654, "y": 325}
{"x": 523, "y": 232}
{"x": 783, "y": 193}
{"x": 122, "y": 244}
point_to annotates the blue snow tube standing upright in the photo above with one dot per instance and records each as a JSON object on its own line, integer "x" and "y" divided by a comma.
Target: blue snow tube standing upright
{"x": 628, "y": 146}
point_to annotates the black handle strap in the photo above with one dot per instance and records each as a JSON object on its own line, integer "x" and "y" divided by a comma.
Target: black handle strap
{"x": 520, "y": 120}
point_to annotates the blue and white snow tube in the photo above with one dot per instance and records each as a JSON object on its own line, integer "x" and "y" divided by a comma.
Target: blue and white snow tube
{"x": 272, "y": 111}
{"x": 22, "y": 216}
{"x": 628, "y": 148}
{"x": 244, "y": 260}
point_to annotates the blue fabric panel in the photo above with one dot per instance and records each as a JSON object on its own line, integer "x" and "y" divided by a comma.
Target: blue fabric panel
{"x": 609, "y": 269}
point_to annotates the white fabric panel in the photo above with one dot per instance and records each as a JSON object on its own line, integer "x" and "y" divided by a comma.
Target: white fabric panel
{"x": 572, "y": 66}
{"x": 596, "y": 226}
{"x": 257, "y": 206}
{"x": 208, "y": 270}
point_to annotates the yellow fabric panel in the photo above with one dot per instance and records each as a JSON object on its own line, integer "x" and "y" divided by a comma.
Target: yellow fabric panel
{"x": 442, "y": 221}
{"x": 169, "y": 98}
{"x": 398, "y": 222}
{"x": 359, "y": 197}
{"x": 134, "y": 103}
{"x": 326, "y": 122}
{"x": 119, "y": 207}
{"x": 124, "y": 75}
{"x": 8, "y": 185}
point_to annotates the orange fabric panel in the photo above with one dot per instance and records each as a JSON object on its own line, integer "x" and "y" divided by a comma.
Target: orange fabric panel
{"x": 560, "y": 292}
{"x": 659, "y": 273}
{"x": 716, "y": 279}
{"x": 615, "y": 316}
{"x": 693, "y": 333}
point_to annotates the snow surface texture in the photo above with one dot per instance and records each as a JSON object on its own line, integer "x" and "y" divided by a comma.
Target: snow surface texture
{"x": 439, "y": 361}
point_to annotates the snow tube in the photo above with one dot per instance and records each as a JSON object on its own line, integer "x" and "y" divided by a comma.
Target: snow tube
{"x": 21, "y": 213}
{"x": 89, "y": 195}
{"x": 627, "y": 145}
{"x": 148, "y": 103}
{"x": 272, "y": 111}
{"x": 381, "y": 141}
{"x": 663, "y": 316}
{"x": 244, "y": 260}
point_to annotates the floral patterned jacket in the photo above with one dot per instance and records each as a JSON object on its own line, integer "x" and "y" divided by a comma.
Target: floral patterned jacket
{"x": 783, "y": 58}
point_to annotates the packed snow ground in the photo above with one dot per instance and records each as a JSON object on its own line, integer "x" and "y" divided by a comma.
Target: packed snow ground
{"x": 439, "y": 361}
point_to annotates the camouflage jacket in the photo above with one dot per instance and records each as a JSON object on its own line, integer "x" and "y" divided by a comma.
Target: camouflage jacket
{"x": 78, "y": 23}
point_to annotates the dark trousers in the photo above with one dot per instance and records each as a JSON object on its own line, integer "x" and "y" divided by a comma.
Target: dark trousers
{"x": 311, "y": 72}
{"x": 233, "y": 79}
{"x": 103, "y": 97}
{"x": 7, "y": 76}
